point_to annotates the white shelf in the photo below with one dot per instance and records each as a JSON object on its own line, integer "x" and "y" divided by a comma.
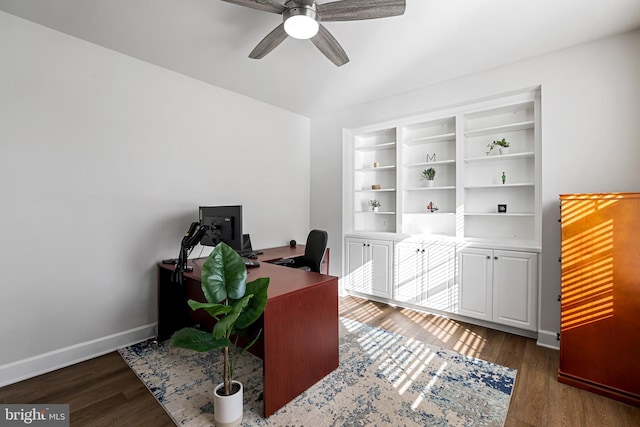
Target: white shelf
{"x": 499, "y": 214}
{"x": 430, "y": 139}
{"x": 523, "y": 184}
{"x": 382, "y": 190}
{"x": 430, "y": 213}
{"x": 376, "y": 213}
{"x": 377, "y": 147}
{"x": 500, "y": 158}
{"x": 425, "y": 164}
{"x": 378, "y": 169}
{"x": 512, "y": 127}
{"x": 447, "y": 187}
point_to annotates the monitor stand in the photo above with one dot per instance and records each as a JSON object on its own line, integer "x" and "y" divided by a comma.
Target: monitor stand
{"x": 184, "y": 258}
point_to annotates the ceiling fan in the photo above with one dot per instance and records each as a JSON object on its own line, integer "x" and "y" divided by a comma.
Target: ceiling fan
{"x": 301, "y": 19}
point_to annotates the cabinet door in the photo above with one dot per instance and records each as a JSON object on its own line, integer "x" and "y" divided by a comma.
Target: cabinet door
{"x": 514, "y": 289}
{"x": 438, "y": 275}
{"x": 476, "y": 277}
{"x": 378, "y": 271}
{"x": 356, "y": 251}
{"x": 408, "y": 271}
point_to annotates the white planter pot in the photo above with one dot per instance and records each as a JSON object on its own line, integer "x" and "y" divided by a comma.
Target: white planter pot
{"x": 503, "y": 150}
{"x": 374, "y": 209}
{"x": 430, "y": 182}
{"x": 227, "y": 410}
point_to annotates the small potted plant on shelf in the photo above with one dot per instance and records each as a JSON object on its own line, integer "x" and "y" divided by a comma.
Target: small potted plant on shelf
{"x": 503, "y": 146}
{"x": 375, "y": 204}
{"x": 428, "y": 175}
{"x": 235, "y": 305}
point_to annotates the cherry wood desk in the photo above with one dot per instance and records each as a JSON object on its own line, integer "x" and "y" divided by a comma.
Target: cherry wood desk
{"x": 299, "y": 342}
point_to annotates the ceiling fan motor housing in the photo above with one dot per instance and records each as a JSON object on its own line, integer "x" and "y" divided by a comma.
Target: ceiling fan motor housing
{"x": 300, "y": 12}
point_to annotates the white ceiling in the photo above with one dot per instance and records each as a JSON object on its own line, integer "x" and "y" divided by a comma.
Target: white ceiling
{"x": 434, "y": 41}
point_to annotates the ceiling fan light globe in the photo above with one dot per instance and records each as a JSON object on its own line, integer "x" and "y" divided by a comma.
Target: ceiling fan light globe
{"x": 301, "y": 27}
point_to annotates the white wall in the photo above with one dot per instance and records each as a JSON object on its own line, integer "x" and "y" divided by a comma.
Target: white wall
{"x": 590, "y": 137}
{"x": 104, "y": 161}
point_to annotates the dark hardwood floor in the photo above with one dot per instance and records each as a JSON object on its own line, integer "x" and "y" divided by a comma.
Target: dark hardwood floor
{"x": 105, "y": 392}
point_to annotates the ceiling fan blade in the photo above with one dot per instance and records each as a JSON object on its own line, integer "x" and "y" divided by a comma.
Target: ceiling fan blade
{"x": 329, "y": 46}
{"x": 265, "y": 5}
{"x": 356, "y": 10}
{"x": 270, "y": 42}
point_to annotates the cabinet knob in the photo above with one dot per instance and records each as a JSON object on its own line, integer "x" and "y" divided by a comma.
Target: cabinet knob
{"x": 495, "y": 257}
{"x": 488, "y": 257}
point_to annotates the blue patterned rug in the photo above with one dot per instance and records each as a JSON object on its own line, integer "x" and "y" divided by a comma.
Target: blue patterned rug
{"x": 383, "y": 379}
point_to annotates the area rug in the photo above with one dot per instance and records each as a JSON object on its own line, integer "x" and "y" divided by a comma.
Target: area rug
{"x": 383, "y": 379}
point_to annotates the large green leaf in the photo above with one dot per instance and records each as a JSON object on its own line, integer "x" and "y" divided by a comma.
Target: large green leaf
{"x": 214, "y": 309}
{"x": 252, "y": 312}
{"x": 195, "y": 339}
{"x": 224, "y": 326}
{"x": 224, "y": 275}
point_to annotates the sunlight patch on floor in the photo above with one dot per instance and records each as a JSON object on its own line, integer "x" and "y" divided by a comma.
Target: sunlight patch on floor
{"x": 402, "y": 366}
{"x": 429, "y": 386}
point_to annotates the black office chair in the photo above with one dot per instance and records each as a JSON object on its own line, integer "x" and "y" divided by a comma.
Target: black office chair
{"x": 313, "y": 253}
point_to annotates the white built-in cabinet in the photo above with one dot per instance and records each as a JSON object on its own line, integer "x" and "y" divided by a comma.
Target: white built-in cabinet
{"x": 427, "y": 244}
{"x": 368, "y": 268}
{"x": 499, "y": 286}
{"x": 424, "y": 274}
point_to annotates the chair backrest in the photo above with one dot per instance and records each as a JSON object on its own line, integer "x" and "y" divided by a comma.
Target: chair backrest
{"x": 314, "y": 249}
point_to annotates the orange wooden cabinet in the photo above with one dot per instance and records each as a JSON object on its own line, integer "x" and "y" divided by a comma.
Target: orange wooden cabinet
{"x": 600, "y": 302}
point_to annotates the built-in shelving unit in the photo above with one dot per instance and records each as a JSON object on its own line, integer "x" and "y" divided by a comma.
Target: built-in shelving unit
{"x": 427, "y": 207}
{"x": 462, "y": 201}
{"x": 467, "y": 243}
{"x": 491, "y": 178}
{"x": 374, "y": 163}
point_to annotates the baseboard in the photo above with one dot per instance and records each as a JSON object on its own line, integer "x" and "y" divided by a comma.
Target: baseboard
{"x": 63, "y": 357}
{"x": 548, "y": 339}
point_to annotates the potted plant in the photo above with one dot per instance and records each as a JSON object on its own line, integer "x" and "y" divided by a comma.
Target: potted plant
{"x": 428, "y": 175}
{"x": 503, "y": 146}
{"x": 235, "y": 305}
{"x": 375, "y": 204}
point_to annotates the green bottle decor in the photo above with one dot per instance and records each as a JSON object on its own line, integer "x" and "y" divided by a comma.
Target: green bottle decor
{"x": 504, "y": 178}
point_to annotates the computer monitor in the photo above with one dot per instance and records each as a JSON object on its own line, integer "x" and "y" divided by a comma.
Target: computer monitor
{"x": 224, "y": 224}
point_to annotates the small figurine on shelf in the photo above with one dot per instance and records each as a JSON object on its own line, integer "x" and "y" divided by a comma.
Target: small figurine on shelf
{"x": 504, "y": 178}
{"x": 375, "y": 204}
{"x": 431, "y": 207}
